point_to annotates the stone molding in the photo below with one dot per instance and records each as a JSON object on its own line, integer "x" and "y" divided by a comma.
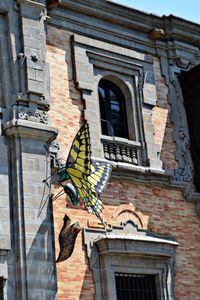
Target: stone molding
{"x": 128, "y": 249}
{"x": 125, "y": 23}
{"x": 30, "y": 130}
{"x": 180, "y": 57}
{"x": 133, "y": 72}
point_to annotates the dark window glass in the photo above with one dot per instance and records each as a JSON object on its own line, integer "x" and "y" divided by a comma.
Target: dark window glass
{"x": 1, "y": 288}
{"x": 112, "y": 110}
{"x": 135, "y": 286}
{"x": 190, "y": 84}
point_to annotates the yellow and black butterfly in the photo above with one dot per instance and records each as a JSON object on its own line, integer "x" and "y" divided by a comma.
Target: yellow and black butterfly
{"x": 89, "y": 177}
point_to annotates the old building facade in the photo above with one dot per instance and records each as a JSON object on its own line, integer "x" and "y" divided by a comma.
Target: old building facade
{"x": 133, "y": 77}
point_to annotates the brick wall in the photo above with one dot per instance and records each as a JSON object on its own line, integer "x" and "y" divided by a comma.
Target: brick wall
{"x": 74, "y": 277}
{"x": 163, "y": 128}
{"x": 168, "y": 212}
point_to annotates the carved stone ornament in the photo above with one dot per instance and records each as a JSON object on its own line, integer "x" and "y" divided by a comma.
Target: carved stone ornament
{"x": 183, "y": 173}
{"x": 53, "y": 152}
{"x": 32, "y": 114}
{"x": 185, "y": 167}
{"x": 182, "y": 63}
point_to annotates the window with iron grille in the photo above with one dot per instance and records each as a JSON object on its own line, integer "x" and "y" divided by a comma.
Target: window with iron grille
{"x": 135, "y": 286}
{"x": 1, "y": 288}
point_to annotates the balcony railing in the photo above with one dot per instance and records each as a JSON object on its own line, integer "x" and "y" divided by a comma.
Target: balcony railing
{"x": 122, "y": 150}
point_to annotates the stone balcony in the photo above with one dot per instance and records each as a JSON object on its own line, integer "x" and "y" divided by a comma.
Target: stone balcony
{"x": 122, "y": 150}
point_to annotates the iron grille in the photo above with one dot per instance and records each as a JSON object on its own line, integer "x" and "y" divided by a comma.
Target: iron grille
{"x": 135, "y": 286}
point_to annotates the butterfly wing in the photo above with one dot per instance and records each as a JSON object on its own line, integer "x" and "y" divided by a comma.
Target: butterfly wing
{"x": 99, "y": 176}
{"x": 90, "y": 178}
{"x": 79, "y": 157}
{"x": 97, "y": 181}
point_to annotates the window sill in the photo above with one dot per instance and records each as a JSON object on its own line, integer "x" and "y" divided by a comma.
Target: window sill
{"x": 119, "y": 140}
{"x": 139, "y": 173}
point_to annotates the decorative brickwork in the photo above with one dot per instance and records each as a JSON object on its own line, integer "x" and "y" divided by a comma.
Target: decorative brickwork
{"x": 126, "y": 212}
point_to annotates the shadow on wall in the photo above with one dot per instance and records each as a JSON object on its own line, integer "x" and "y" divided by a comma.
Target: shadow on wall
{"x": 87, "y": 291}
{"x": 41, "y": 271}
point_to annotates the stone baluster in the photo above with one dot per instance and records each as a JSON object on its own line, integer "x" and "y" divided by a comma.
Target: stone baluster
{"x": 123, "y": 151}
{"x": 128, "y": 152}
{"x": 118, "y": 153}
{"x": 112, "y": 152}
{"x": 106, "y": 151}
{"x": 134, "y": 157}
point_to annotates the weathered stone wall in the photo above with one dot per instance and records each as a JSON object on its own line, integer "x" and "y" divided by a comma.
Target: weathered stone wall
{"x": 27, "y": 263}
{"x": 163, "y": 205}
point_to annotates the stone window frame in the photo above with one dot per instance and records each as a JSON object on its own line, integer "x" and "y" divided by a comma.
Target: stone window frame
{"x": 135, "y": 129}
{"x": 95, "y": 59}
{"x": 130, "y": 82}
{"x": 128, "y": 249}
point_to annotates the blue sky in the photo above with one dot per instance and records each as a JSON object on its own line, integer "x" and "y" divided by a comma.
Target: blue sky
{"x": 187, "y": 9}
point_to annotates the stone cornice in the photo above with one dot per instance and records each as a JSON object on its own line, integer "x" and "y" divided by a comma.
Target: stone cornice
{"x": 132, "y": 19}
{"x": 126, "y": 16}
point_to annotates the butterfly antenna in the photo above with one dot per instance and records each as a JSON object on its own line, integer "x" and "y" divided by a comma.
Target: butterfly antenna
{"x": 58, "y": 195}
{"x": 50, "y": 176}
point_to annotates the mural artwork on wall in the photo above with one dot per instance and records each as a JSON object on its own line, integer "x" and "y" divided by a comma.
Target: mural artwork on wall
{"x": 89, "y": 179}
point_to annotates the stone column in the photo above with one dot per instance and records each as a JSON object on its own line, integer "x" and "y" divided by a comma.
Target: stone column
{"x": 31, "y": 210}
{"x": 26, "y": 137}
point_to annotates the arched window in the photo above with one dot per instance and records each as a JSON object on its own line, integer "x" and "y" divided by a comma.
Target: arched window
{"x": 112, "y": 109}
